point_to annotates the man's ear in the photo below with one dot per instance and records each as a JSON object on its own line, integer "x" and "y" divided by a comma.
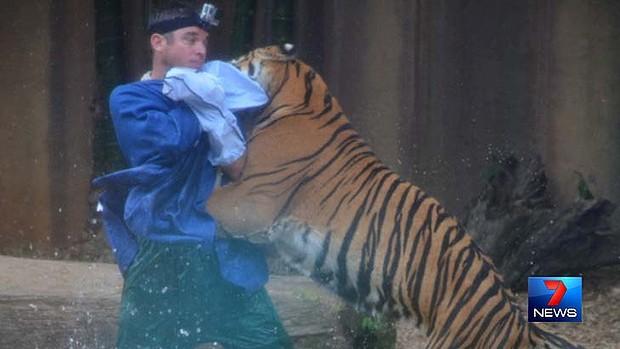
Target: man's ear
{"x": 158, "y": 42}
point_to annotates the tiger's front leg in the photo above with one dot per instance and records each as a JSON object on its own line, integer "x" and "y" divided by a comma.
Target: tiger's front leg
{"x": 241, "y": 213}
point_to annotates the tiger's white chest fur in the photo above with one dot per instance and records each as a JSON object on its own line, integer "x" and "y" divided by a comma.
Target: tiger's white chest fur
{"x": 300, "y": 245}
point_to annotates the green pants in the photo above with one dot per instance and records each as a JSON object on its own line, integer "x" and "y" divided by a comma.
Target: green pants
{"x": 174, "y": 297}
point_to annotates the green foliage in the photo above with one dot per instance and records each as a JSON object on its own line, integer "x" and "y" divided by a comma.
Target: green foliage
{"x": 283, "y": 20}
{"x": 242, "y": 38}
{"x": 491, "y": 172}
{"x": 583, "y": 191}
{"x": 374, "y": 332}
{"x": 110, "y": 72}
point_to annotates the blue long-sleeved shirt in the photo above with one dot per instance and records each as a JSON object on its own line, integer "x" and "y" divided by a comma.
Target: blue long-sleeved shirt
{"x": 162, "y": 195}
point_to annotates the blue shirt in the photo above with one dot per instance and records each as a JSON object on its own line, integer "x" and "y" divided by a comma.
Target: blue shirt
{"x": 162, "y": 195}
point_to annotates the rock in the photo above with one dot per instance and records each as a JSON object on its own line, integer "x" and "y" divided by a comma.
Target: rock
{"x": 515, "y": 222}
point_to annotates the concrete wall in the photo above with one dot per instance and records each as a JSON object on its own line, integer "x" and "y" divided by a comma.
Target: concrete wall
{"x": 47, "y": 98}
{"x": 438, "y": 87}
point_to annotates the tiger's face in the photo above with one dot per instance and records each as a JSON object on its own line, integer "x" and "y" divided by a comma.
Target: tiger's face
{"x": 267, "y": 66}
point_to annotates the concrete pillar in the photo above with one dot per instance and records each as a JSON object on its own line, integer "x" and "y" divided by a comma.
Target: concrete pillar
{"x": 363, "y": 41}
{"x": 25, "y": 99}
{"x": 49, "y": 84}
{"x": 583, "y": 133}
{"x": 72, "y": 86}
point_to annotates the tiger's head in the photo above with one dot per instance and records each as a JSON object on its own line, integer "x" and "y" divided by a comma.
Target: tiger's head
{"x": 293, "y": 87}
{"x": 271, "y": 66}
{"x": 285, "y": 78}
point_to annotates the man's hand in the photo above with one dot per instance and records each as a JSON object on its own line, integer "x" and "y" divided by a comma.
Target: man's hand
{"x": 235, "y": 169}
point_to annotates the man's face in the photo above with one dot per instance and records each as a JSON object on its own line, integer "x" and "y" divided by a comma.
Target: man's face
{"x": 185, "y": 47}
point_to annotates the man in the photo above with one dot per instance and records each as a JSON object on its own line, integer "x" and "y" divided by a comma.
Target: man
{"x": 183, "y": 287}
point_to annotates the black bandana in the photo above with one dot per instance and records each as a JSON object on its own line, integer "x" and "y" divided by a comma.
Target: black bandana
{"x": 176, "y": 23}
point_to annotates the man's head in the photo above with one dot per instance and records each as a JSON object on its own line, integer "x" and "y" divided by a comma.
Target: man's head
{"x": 178, "y": 38}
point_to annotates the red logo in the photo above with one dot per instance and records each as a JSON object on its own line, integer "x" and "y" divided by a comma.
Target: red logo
{"x": 560, "y": 290}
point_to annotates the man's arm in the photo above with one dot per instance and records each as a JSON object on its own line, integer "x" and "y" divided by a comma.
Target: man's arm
{"x": 147, "y": 130}
{"x": 235, "y": 169}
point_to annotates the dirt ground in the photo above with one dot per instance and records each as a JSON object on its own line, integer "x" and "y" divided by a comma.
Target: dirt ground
{"x": 600, "y": 328}
{"x": 601, "y": 311}
{"x": 601, "y": 302}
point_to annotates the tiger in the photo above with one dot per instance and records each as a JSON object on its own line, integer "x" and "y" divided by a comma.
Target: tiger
{"x": 314, "y": 188}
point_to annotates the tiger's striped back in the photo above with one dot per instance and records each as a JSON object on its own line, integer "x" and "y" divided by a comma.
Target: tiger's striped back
{"x": 335, "y": 211}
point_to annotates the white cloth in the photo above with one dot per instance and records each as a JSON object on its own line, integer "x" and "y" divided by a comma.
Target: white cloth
{"x": 204, "y": 92}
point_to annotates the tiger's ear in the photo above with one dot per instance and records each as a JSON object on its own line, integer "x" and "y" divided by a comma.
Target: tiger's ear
{"x": 287, "y": 49}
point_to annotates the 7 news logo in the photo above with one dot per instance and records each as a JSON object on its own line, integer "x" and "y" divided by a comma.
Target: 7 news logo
{"x": 554, "y": 299}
